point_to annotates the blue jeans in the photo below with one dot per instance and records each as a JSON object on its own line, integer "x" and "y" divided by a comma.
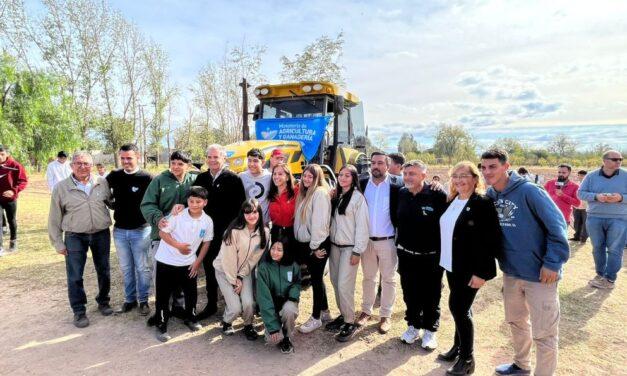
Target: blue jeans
{"x": 132, "y": 247}
{"x": 77, "y": 246}
{"x": 608, "y": 237}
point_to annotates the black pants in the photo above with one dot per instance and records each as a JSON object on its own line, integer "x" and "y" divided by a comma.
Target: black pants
{"x": 316, "y": 266}
{"x": 170, "y": 278}
{"x": 421, "y": 281}
{"x": 460, "y": 300}
{"x": 581, "y": 232}
{"x": 10, "y": 210}
{"x": 210, "y": 273}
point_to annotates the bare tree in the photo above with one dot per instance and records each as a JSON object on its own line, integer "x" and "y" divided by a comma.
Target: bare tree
{"x": 319, "y": 61}
{"x": 562, "y": 145}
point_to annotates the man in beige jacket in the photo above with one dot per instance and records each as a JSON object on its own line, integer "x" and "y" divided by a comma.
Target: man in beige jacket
{"x": 78, "y": 210}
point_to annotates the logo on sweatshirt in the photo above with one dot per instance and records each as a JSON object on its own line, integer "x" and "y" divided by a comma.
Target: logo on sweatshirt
{"x": 506, "y": 210}
{"x": 257, "y": 190}
{"x": 134, "y": 189}
{"x": 3, "y": 175}
{"x": 202, "y": 233}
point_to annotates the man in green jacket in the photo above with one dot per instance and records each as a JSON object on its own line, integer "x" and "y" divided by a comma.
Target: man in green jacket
{"x": 164, "y": 191}
{"x": 278, "y": 293}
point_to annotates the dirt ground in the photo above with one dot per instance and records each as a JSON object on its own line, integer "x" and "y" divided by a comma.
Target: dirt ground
{"x": 37, "y": 336}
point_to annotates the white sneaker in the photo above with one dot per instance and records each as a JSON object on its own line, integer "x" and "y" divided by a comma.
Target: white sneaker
{"x": 311, "y": 325}
{"x": 2, "y": 252}
{"x": 411, "y": 335}
{"x": 325, "y": 316}
{"x": 429, "y": 340}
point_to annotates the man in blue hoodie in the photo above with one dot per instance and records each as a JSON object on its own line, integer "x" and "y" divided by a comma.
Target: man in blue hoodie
{"x": 535, "y": 247}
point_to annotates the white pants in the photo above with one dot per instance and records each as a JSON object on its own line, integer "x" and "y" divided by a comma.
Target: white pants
{"x": 343, "y": 276}
{"x": 380, "y": 256}
{"x": 242, "y": 304}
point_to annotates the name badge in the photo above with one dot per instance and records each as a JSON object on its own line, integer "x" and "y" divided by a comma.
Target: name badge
{"x": 289, "y": 276}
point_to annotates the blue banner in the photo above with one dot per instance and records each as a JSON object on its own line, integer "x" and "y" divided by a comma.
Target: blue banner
{"x": 308, "y": 131}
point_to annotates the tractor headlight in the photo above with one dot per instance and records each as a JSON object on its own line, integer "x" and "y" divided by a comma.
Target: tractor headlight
{"x": 317, "y": 87}
{"x": 306, "y": 88}
{"x": 264, "y": 91}
{"x": 237, "y": 162}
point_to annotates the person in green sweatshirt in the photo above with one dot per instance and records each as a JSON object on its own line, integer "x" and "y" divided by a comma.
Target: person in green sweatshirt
{"x": 278, "y": 293}
{"x": 164, "y": 191}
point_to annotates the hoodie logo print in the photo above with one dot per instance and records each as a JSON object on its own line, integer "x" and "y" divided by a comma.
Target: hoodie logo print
{"x": 3, "y": 175}
{"x": 506, "y": 211}
{"x": 257, "y": 190}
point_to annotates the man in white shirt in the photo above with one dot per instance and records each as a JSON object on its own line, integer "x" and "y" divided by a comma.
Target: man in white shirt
{"x": 380, "y": 256}
{"x": 58, "y": 170}
{"x": 256, "y": 181}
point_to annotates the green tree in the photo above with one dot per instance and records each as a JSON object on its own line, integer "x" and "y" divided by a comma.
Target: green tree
{"x": 319, "y": 61}
{"x": 407, "y": 144}
{"x": 454, "y": 142}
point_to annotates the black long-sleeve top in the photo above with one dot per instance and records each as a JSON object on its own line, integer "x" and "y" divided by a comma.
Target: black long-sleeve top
{"x": 418, "y": 217}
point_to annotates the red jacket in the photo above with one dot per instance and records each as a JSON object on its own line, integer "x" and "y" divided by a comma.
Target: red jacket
{"x": 567, "y": 200}
{"x": 282, "y": 209}
{"x": 12, "y": 178}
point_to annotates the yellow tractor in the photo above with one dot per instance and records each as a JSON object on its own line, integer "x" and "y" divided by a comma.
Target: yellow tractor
{"x": 311, "y": 122}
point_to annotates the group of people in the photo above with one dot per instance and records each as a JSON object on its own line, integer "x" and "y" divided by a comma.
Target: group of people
{"x": 260, "y": 235}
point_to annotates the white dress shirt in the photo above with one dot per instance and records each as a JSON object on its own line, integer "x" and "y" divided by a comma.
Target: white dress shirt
{"x": 447, "y": 227}
{"x": 378, "y": 199}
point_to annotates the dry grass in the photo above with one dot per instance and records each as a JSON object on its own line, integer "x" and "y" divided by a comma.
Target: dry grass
{"x": 592, "y": 338}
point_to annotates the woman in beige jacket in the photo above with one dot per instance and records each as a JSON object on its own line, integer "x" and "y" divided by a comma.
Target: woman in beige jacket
{"x": 244, "y": 242}
{"x": 349, "y": 239}
{"x": 311, "y": 229}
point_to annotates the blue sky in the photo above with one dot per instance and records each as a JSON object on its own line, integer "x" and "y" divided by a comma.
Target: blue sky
{"x": 524, "y": 69}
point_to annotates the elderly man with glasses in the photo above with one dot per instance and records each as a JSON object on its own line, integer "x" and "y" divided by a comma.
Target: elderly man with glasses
{"x": 604, "y": 189}
{"x": 79, "y": 220}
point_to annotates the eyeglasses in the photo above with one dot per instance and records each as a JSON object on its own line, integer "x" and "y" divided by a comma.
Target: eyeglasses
{"x": 462, "y": 176}
{"x": 81, "y": 164}
{"x": 614, "y": 159}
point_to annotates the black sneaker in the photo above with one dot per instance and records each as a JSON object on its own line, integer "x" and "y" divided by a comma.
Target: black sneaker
{"x": 192, "y": 325}
{"x": 144, "y": 309}
{"x": 13, "y": 246}
{"x": 335, "y": 325}
{"x": 250, "y": 333}
{"x": 286, "y": 346}
{"x": 207, "y": 312}
{"x": 347, "y": 332}
{"x": 227, "y": 329}
{"x": 105, "y": 309}
{"x": 152, "y": 321}
{"x": 127, "y": 307}
{"x": 81, "y": 320}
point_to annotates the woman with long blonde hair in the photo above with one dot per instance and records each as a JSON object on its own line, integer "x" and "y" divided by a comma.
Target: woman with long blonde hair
{"x": 470, "y": 236}
{"x": 311, "y": 228}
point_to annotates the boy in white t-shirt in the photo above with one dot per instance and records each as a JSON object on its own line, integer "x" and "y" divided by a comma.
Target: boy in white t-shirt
{"x": 177, "y": 264}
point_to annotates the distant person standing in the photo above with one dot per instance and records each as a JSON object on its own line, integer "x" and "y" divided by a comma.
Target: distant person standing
{"x": 102, "y": 172}
{"x": 131, "y": 233}
{"x": 58, "y": 170}
{"x": 580, "y": 215}
{"x": 563, "y": 191}
{"x": 276, "y": 158}
{"x": 13, "y": 180}
{"x": 79, "y": 220}
{"x": 604, "y": 189}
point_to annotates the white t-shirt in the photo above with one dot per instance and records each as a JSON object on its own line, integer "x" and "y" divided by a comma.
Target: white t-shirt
{"x": 185, "y": 229}
{"x": 257, "y": 187}
{"x": 56, "y": 172}
{"x": 447, "y": 227}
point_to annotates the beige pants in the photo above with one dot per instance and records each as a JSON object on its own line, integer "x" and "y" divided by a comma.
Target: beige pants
{"x": 532, "y": 310}
{"x": 380, "y": 256}
{"x": 242, "y": 304}
{"x": 288, "y": 314}
{"x": 343, "y": 276}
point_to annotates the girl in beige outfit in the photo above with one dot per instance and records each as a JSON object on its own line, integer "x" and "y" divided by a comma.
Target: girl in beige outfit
{"x": 311, "y": 229}
{"x": 244, "y": 243}
{"x": 349, "y": 239}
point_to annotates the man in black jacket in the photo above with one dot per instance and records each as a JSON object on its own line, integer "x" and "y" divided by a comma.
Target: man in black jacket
{"x": 418, "y": 246}
{"x": 226, "y": 195}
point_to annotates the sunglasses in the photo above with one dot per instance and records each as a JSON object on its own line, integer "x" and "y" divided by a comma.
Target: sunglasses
{"x": 614, "y": 159}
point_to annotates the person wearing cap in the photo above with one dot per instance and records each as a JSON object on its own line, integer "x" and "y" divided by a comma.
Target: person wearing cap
{"x": 58, "y": 170}
{"x": 276, "y": 158}
{"x": 13, "y": 180}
